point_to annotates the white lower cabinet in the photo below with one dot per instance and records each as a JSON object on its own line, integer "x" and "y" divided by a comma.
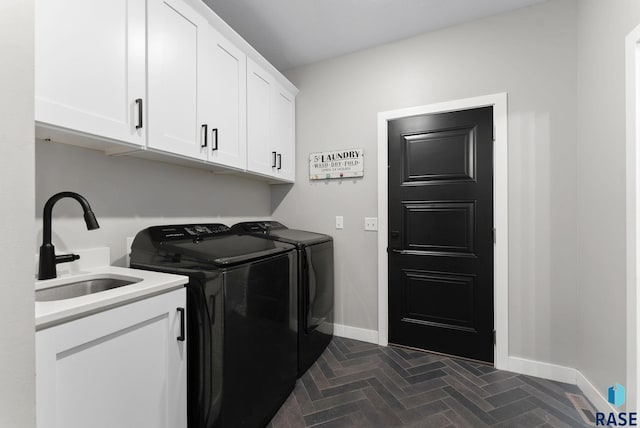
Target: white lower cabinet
{"x": 125, "y": 367}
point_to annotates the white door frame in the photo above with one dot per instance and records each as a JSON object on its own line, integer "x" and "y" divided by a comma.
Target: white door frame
{"x": 500, "y": 213}
{"x": 633, "y": 218}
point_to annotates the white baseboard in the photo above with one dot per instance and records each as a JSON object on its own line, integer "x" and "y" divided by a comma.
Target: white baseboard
{"x": 562, "y": 374}
{"x": 355, "y": 333}
{"x": 543, "y": 370}
{"x": 592, "y": 393}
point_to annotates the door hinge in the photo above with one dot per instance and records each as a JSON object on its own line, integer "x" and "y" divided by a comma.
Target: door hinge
{"x": 494, "y": 133}
{"x": 494, "y": 337}
{"x": 494, "y": 235}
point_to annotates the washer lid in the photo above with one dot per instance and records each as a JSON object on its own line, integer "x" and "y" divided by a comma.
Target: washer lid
{"x": 298, "y": 237}
{"x": 279, "y": 232}
{"x": 209, "y": 243}
{"x": 227, "y": 250}
{"x": 263, "y": 226}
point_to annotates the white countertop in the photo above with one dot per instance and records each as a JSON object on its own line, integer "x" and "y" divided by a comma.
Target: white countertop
{"x": 58, "y": 311}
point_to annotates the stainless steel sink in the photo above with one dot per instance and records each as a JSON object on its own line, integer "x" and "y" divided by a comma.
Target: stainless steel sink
{"x": 82, "y": 288}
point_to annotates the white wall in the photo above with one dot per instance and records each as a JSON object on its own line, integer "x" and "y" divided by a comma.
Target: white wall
{"x": 529, "y": 53}
{"x": 17, "y": 335}
{"x": 128, "y": 194}
{"x": 602, "y": 27}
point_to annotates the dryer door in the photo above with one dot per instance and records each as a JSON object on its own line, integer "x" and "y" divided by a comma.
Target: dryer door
{"x": 317, "y": 286}
{"x": 259, "y": 340}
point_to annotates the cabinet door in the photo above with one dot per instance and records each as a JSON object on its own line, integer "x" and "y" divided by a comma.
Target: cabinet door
{"x": 90, "y": 66}
{"x": 284, "y": 133}
{"x": 223, "y": 100}
{"x": 173, "y": 36}
{"x": 120, "y": 368}
{"x": 261, "y": 152}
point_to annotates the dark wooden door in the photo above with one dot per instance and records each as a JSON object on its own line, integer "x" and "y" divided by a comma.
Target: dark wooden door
{"x": 441, "y": 233}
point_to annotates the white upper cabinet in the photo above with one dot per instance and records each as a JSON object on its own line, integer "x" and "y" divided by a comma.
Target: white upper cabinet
{"x": 270, "y": 125}
{"x": 90, "y": 67}
{"x": 283, "y": 125}
{"x": 222, "y": 100}
{"x": 174, "y": 33}
{"x": 160, "y": 79}
{"x": 261, "y": 153}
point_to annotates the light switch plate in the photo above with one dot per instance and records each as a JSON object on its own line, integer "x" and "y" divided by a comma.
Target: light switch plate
{"x": 339, "y": 222}
{"x": 371, "y": 223}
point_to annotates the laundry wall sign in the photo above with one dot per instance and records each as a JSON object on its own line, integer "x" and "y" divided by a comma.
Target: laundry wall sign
{"x": 336, "y": 164}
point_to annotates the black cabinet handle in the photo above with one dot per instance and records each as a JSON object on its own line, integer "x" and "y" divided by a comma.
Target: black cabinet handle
{"x": 279, "y": 161}
{"x": 181, "y": 337}
{"x": 214, "y": 137}
{"x": 274, "y": 159}
{"x": 139, "y": 102}
{"x": 204, "y": 127}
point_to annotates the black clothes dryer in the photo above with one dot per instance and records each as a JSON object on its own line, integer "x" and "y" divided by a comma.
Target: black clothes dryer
{"x": 315, "y": 285}
{"x": 241, "y": 319}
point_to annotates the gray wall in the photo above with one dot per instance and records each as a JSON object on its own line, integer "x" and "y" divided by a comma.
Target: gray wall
{"x": 529, "y": 53}
{"x": 128, "y": 194}
{"x": 602, "y": 27}
{"x": 17, "y": 363}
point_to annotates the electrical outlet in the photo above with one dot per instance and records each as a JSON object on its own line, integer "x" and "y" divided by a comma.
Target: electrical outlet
{"x": 339, "y": 222}
{"x": 371, "y": 223}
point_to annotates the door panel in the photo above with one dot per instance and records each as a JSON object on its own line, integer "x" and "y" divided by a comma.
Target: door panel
{"x": 260, "y": 146}
{"x": 439, "y": 226}
{"x": 173, "y": 70}
{"x": 284, "y": 133}
{"x": 231, "y": 94}
{"x": 222, "y": 97}
{"x": 439, "y": 155}
{"x": 441, "y": 233}
{"x": 88, "y": 78}
{"x": 423, "y": 292}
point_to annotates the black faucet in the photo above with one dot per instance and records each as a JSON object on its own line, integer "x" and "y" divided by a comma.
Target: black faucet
{"x": 48, "y": 258}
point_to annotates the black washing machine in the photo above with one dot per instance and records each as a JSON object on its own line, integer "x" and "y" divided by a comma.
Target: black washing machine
{"x": 315, "y": 284}
{"x": 241, "y": 319}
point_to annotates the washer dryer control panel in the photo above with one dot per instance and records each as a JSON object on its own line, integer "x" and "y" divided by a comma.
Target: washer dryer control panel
{"x": 258, "y": 226}
{"x": 187, "y": 231}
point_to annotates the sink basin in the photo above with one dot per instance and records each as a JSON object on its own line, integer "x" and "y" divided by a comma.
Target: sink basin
{"x": 83, "y": 288}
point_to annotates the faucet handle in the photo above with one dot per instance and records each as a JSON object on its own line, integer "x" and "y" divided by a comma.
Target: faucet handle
{"x": 65, "y": 258}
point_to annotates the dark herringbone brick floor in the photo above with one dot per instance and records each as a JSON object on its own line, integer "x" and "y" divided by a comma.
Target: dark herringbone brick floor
{"x": 357, "y": 384}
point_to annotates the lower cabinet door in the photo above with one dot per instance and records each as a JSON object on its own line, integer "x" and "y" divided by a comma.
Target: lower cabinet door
{"x": 124, "y": 367}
